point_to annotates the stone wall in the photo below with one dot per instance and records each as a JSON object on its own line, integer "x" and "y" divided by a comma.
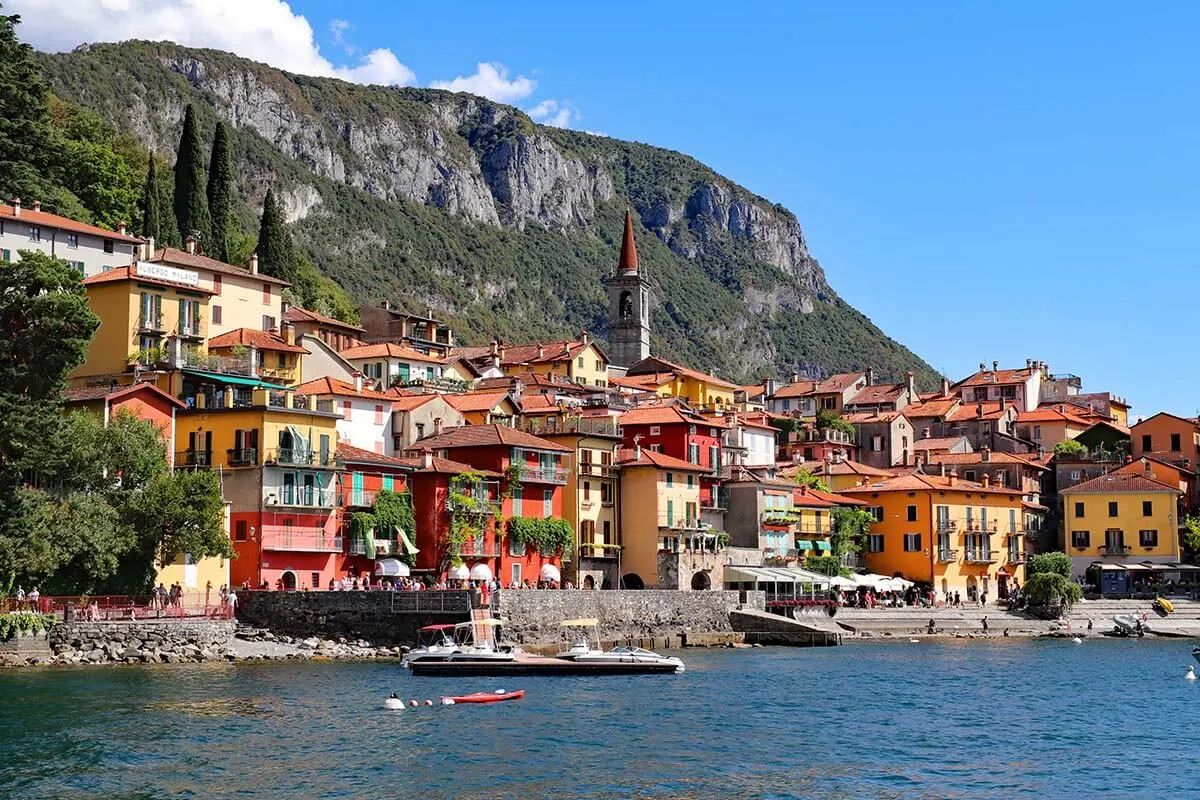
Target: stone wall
{"x": 381, "y": 618}
{"x": 139, "y": 641}
{"x": 534, "y": 616}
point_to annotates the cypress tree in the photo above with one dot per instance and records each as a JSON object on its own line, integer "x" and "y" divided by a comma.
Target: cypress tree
{"x": 151, "y": 225}
{"x": 191, "y": 204}
{"x": 220, "y": 195}
{"x": 276, "y": 256}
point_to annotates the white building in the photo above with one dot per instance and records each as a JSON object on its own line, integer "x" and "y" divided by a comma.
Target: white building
{"x": 89, "y": 249}
{"x": 366, "y": 414}
{"x": 390, "y": 364}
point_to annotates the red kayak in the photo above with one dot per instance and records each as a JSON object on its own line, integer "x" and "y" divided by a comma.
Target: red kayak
{"x": 483, "y": 697}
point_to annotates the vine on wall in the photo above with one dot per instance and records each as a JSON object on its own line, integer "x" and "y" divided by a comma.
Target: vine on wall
{"x": 549, "y": 536}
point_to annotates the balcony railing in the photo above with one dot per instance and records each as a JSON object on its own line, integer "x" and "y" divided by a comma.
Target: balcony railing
{"x": 299, "y": 457}
{"x": 190, "y": 330}
{"x": 241, "y": 457}
{"x": 982, "y": 556}
{"x": 299, "y": 496}
{"x": 594, "y": 550}
{"x": 277, "y": 537}
{"x": 358, "y": 498}
{"x": 488, "y": 547}
{"x": 680, "y": 523}
{"x": 545, "y": 475}
{"x": 947, "y": 525}
{"x": 947, "y": 556}
{"x": 383, "y": 547}
{"x": 1116, "y": 549}
{"x": 194, "y": 458}
{"x": 590, "y": 469}
{"x": 152, "y": 323}
{"x": 1017, "y": 558}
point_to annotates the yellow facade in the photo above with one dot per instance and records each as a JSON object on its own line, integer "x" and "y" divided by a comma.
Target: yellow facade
{"x": 659, "y": 508}
{"x": 958, "y": 537}
{"x": 274, "y": 366}
{"x": 137, "y": 318}
{"x": 220, "y": 431}
{"x": 698, "y": 391}
{"x": 1122, "y": 526}
{"x": 246, "y": 301}
{"x": 589, "y": 367}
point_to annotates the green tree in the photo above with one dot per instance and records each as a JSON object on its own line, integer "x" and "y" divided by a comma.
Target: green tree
{"x": 1049, "y": 563}
{"x": 312, "y": 290}
{"x": 180, "y": 512}
{"x": 1069, "y": 448}
{"x": 1051, "y": 590}
{"x": 276, "y": 255}
{"x": 24, "y": 122}
{"x": 831, "y": 420}
{"x": 149, "y": 204}
{"x": 850, "y": 529}
{"x": 804, "y": 477}
{"x": 220, "y": 196}
{"x": 826, "y": 565}
{"x": 1191, "y": 533}
{"x": 191, "y": 203}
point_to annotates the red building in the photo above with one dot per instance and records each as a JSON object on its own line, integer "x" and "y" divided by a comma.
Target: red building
{"x": 142, "y": 400}
{"x": 520, "y": 473}
{"x": 366, "y": 474}
{"x": 681, "y": 433}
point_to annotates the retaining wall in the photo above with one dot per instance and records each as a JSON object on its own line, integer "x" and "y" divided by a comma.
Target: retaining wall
{"x": 381, "y": 618}
{"x": 140, "y": 641}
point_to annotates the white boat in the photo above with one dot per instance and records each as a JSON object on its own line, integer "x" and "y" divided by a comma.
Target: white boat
{"x": 1196, "y": 652}
{"x": 582, "y": 651}
{"x": 477, "y": 642}
{"x": 435, "y": 643}
{"x": 1129, "y": 625}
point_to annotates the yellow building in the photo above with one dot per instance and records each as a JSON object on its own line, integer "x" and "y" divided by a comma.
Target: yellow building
{"x": 148, "y": 314}
{"x": 265, "y": 355}
{"x": 838, "y": 473}
{"x": 952, "y": 534}
{"x": 578, "y": 360}
{"x": 701, "y": 390}
{"x": 1121, "y": 518}
{"x": 241, "y": 298}
{"x": 589, "y": 502}
{"x": 484, "y": 408}
{"x": 663, "y": 542}
{"x": 196, "y": 575}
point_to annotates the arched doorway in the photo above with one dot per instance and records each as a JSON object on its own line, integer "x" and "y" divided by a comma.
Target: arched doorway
{"x": 701, "y": 581}
{"x": 946, "y": 590}
{"x": 632, "y": 581}
{"x": 589, "y": 582}
{"x": 289, "y": 581}
{"x": 972, "y": 588}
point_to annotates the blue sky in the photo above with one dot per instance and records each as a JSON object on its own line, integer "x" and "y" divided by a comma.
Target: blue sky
{"x": 985, "y": 181}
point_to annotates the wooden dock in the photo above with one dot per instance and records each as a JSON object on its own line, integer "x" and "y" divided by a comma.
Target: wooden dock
{"x": 526, "y": 664}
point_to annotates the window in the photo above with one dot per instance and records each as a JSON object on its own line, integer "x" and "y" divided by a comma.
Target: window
{"x": 1175, "y": 446}
{"x": 787, "y": 404}
{"x": 282, "y": 362}
{"x": 239, "y": 530}
{"x": 216, "y": 284}
{"x": 1147, "y": 445}
{"x": 691, "y": 479}
{"x": 216, "y": 315}
{"x": 875, "y": 543}
{"x": 579, "y": 362}
{"x": 518, "y": 498}
{"x": 547, "y": 502}
{"x": 1075, "y": 474}
{"x": 1147, "y": 508}
{"x": 912, "y": 542}
{"x": 268, "y": 323}
{"x": 5, "y": 256}
{"x": 35, "y": 233}
{"x": 599, "y": 365}
{"x": 1081, "y": 539}
{"x": 693, "y": 454}
{"x": 266, "y": 294}
{"x": 828, "y": 403}
{"x": 389, "y": 482}
{"x": 516, "y": 547}
{"x": 876, "y": 513}
{"x": 1037, "y": 433}
{"x": 1112, "y": 508}
{"x": 316, "y": 580}
{"x": 397, "y": 441}
{"x": 655, "y": 430}
{"x": 969, "y": 475}
{"x": 378, "y": 413}
{"x": 912, "y": 513}
{"x": 345, "y": 409}
{"x": 1148, "y": 538}
{"x": 77, "y": 266}
{"x": 108, "y": 246}
{"x": 606, "y": 494}
{"x": 714, "y": 457}
{"x": 877, "y": 444}
{"x": 587, "y": 490}
{"x": 670, "y": 479}
{"x": 73, "y": 241}
{"x": 516, "y": 575}
{"x": 1079, "y": 510}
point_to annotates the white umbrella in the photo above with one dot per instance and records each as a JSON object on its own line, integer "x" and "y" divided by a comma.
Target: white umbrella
{"x": 550, "y": 573}
{"x": 459, "y": 573}
{"x": 843, "y": 583}
{"x": 481, "y": 572}
{"x": 391, "y": 568}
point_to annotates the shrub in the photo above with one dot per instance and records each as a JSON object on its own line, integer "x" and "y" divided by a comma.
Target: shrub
{"x": 1052, "y": 563}
{"x": 1050, "y": 590}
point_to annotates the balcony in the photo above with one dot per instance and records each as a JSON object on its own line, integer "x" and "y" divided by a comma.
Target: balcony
{"x": 599, "y": 550}
{"x": 278, "y": 537}
{"x": 1017, "y": 558}
{"x": 545, "y": 475}
{"x": 590, "y": 469}
{"x": 591, "y": 426}
{"x": 358, "y": 498}
{"x": 1116, "y": 549}
{"x": 947, "y": 526}
{"x": 436, "y": 384}
{"x": 982, "y": 556}
{"x": 488, "y": 547}
{"x": 299, "y": 496}
{"x": 242, "y": 457}
{"x": 297, "y": 457}
{"x": 190, "y": 329}
{"x": 280, "y": 374}
{"x": 732, "y": 440}
{"x": 947, "y": 556}
{"x": 194, "y": 458}
{"x": 151, "y": 323}
{"x": 677, "y": 523}
{"x": 716, "y": 501}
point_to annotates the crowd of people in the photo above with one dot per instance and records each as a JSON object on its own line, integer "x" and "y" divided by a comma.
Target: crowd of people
{"x": 921, "y": 597}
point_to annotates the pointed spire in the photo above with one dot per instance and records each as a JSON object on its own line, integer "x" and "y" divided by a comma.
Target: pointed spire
{"x": 628, "y": 248}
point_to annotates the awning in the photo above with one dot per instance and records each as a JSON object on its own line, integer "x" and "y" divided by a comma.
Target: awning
{"x": 748, "y": 574}
{"x": 821, "y": 544}
{"x": 481, "y": 572}
{"x": 391, "y": 568}
{"x": 460, "y": 573}
{"x": 550, "y": 573}
{"x": 804, "y": 544}
{"x": 233, "y": 380}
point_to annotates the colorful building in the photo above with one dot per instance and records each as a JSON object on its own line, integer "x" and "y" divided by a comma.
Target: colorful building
{"x": 366, "y": 415}
{"x": 424, "y": 333}
{"x": 700, "y": 389}
{"x": 259, "y": 354}
{"x": 946, "y": 533}
{"x": 364, "y": 475}
{"x": 1049, "y": 425}
{"x": 87, "y": 248}
{"x": 389, "y": 364}
{"x": 336, "y": 334}
{"x": 485, "y": 408}
{"x": 241, "y": 298}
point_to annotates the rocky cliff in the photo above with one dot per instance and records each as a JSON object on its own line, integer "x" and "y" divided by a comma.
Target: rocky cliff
{"x": 507, "y": 227}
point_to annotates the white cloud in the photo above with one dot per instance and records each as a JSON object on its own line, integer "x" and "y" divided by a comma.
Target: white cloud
{"x": 264, "y": 30}
{"x": 491, "y": 81}
{"x": 553, "y": 113}
{"x": 338, "y": 29}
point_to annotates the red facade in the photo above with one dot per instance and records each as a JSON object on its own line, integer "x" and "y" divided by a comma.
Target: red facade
{"x": 696, "y": 442}
{"x": 286, "y": 549}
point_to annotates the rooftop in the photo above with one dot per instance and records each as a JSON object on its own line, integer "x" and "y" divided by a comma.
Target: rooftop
{"x": 488, "y": 436}
{"x": 649, "y": 458}
{"x": 1120, "y": 482}
{"x": 387, "y": 350}
{"x": 333, "y": 386}
{"x": 130, "y": 273}
{"x": 297, "y": 314}
{"x": 920, "y": 482}
{"x": 249, "y": 337}
{"x": 476, "y": 401}
{"x": 46, "y": 219}
{"x": 172, "y": 255}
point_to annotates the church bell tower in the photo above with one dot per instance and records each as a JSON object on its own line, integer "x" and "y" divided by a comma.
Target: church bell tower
{"x": 628, "y": 306}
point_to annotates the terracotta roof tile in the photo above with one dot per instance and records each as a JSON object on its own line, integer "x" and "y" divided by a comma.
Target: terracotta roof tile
{"x": 977, "y": 458}
{"x": 838, "y": 382}
{"x": 943, "y": 443}
{"x": 649, "y": 458}
{"x": 879, "y": 393}
{"x": 387, "y": 350}
{"x": 476, "y": 401}
{"x": 83, "y": 394}
{"x": 129, "y": 273}
{"x": 932, "y": 408}
{"x": 249, "y": 337}
{"x": 919, "y": 482}
{"x": 1053, "y": 414}
{"x": 297, "y": 314}
{"x": 48, "y": 220}
{"x": 332, "y": 386}
{"x": 980, "y": 410}
{"x": 798, "y": 389}
{"x": 1117, "y": 482}
{"x": 487, "y": 436}
{"x": 669, "y": 368}
{"x": 999, "y": 377}
{"x": 664, "y": 415}
{"x": 410, "y": 402}
{"x": 863, "y": 417}
{"x": 171, "y": 255}
{"x": 357, "y": 455}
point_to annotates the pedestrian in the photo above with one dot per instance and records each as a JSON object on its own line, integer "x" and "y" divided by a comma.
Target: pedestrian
{"x": 957, "y": 600}
{"x": 1089, "y": 623}
{"x": 207, "y": 592}
{"x": 34, "y": 597}
{"x": 983, "y": 599}
{"x": 20, "y": 597}
{"x": 232, "y": 602}
{"x": 985, "y": 625}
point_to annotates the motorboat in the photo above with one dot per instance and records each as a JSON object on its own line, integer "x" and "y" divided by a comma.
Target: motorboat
{"x": 497, "y": 696}
{"x": 477, "y": 642}
{"x": 1196, "y": 651}
{"x": 434, "y": 643}
{"x": 582, "y": 650}
{"x": 1128, "y": 625}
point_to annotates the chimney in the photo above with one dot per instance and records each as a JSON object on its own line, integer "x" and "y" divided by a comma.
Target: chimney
{"x": 495, "y": 347}
{"x": 910, "y": 384}
{"x": 541, "y": 351}
{"x": 190, "y": 244}
{"x": 426, "y": 459}
{"x": 1029, "y": 363}
{"x": 429, "y": 312}
{"x": 924, "y": 433}
{"x": 945, "y": 386}
{"x": 358, "y": 381}
{"x": 942, "y": 468}
{"x": 916, "y": 461}
{"x": 121, "y": 227}
{"x": 585, "y": 338}
{"x": 864, "y": 480}
{"x": 979, "y": 409}
{"x": 986, "y": 480}
{"x": 437, "y": 426}
{"x": 870, "y": 376}
{"x": 16, "y": 204}
{"x": 37, "y": 205}
{"x": 1146, "y": 466}
{"x": 982, "y": 366}
{"x": 953, "y": 477}
{"x": 385, "y": 305}
{"x": 999, "y": 479}
{"x": 985, "y": 454}
{"x": 795, "y": 377}
{"x": 995, "y": 366}
{"x": 284, "y": 307}
{"x": 254, "y": 263}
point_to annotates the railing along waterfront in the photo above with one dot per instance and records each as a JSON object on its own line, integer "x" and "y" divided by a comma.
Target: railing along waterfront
{"x": 192, "y": 604}
{"x": 426, "y": 601}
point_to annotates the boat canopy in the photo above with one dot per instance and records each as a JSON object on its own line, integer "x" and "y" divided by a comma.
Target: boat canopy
{"x": 580, "y": 623}
{"x": 437, "y": 627}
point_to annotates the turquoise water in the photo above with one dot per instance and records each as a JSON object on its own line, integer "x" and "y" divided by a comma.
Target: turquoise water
{"x": 954, "y": 720}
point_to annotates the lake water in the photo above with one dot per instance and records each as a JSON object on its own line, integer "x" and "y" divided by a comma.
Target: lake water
{"x": 955, "y": 720}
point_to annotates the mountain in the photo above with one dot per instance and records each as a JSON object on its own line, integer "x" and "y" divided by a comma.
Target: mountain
{"x": 429, "y": 198}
